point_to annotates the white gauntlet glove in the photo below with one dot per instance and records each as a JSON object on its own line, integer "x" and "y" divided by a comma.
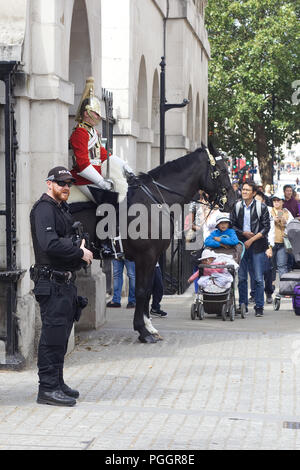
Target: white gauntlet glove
{"x": 110, "y": 184}
{"x": 94, "y": 177}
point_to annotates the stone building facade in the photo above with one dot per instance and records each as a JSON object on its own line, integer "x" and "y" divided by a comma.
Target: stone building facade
{"x": 58, "y": 43}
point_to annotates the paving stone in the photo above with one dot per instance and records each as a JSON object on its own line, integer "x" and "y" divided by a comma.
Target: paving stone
{"x": 208, "y": 385}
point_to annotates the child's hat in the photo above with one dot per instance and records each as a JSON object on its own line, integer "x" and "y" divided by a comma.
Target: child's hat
{"x": 222, "y": 218}
{"x": 207, "y": 254}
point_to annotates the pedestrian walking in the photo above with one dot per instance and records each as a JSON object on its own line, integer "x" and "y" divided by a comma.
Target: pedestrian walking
{"x": 268, "y": 273}
{"x": 157, "y": 293}
{"x": 251, "y": 221}
{"x": 282, "y": 217}
{"x": 118, "y": 268}
{"x": 291, "y": 205}
{"x": 290, "y": 202}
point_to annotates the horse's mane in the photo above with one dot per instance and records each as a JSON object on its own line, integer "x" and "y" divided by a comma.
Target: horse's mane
{"x": 177, "y": 165}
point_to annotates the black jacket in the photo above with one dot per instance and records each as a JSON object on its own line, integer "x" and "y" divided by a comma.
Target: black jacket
{"x": 261, "y": 225}
{"x": 51, "y": 230}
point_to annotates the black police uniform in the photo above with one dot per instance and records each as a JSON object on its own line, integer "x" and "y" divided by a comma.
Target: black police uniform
{"x": 57, "y": 259}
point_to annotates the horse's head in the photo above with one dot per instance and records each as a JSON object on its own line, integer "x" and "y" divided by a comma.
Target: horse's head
{"x": 218, "y": 184}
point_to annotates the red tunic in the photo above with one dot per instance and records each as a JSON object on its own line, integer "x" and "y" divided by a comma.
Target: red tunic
{"x": 79, "y": 141}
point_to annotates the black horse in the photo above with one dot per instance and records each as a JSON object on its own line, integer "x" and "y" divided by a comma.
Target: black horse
{"x": 175, "y": 182}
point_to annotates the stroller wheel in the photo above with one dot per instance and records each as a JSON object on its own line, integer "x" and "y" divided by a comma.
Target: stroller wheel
{"x": 200, "y": 311}
{"x": 232, "y": 313}
{"x": 224, "y": 312}
{"x": 276, "y": 303}
{"x": 194, "y": 308}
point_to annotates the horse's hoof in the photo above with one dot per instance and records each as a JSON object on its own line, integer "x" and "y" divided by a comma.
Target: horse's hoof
{"x": 147, "y": 339}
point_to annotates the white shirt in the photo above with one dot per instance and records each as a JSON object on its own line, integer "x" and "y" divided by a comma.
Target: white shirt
{"x": 247, "y": 217}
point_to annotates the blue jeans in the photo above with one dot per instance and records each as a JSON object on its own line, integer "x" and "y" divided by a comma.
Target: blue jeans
{"x": 118, "y": 268}
{"x": 157, "y": 288}
{"x": 254, "y": 263}
{"x": 280, "y": 259}
{"x": 268, "y": 277}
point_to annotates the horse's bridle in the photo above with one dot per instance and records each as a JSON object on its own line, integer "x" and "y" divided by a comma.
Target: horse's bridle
{"x": 215, "y": 173}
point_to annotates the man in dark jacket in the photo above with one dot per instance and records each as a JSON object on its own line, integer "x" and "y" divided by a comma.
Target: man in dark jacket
{"x": 57, "y": 257}
{"x": 251, "y": 221}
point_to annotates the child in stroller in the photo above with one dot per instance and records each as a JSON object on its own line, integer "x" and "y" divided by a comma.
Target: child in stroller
{"x": 213, "y": 279}
{"x": 217, "y": 273}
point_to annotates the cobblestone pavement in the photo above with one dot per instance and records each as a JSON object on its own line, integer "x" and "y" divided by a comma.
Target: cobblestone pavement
{"x": 208, "y": 385}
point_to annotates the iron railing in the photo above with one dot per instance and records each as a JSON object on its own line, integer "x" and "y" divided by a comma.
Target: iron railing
{"x": 10, "y": 275}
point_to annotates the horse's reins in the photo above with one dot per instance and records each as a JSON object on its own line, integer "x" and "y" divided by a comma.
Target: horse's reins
{"x": 163, "y": 205}
{"x": 214, "y": 174}
{"x": 160, "y": 204}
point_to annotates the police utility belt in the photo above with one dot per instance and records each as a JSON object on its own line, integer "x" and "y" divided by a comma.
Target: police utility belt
{"x": 45, "y": 272}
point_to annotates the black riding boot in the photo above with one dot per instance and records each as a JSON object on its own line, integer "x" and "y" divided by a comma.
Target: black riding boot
{"x": 112, "y": 249}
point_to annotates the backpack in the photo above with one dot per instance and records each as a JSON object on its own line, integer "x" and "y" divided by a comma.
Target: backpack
{"x": 239, "y": 205}
{"x": 296, "y": 300}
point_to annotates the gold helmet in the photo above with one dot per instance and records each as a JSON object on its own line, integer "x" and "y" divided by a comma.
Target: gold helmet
{"x": 89, "y": 102}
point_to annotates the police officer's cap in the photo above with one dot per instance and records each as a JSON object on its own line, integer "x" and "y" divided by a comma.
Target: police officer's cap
{"x": 60, "y": 173}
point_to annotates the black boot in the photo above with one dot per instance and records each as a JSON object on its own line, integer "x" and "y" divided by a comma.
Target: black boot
{"x": 55, "y": 397}
{"x": 70, "y": 392}
{"x": 65, "y": 388}
{"x": 107, "y": 251}
{"x": 112, "y": 249}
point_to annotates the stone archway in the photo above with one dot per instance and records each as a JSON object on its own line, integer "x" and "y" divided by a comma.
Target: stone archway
{"x": 80, "y": 63}
{"x": 142, "y": 115}
{"x": 81, "y": 66}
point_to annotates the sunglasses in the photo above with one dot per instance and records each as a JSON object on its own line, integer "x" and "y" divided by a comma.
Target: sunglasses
{"x": 62, "y": 184}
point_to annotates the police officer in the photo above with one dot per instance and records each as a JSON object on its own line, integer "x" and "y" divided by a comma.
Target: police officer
{"x": 57, "y": 258}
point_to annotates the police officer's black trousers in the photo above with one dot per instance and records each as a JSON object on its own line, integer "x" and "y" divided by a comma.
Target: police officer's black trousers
{"x": 58, "y": 304}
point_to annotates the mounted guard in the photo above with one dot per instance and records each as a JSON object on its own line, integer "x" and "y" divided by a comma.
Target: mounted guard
{"x": 90, "y": 161}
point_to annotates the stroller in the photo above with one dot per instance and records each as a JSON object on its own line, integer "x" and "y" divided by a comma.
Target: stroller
{"x": 222, "y": 304}
{"x": 289, "y": 281}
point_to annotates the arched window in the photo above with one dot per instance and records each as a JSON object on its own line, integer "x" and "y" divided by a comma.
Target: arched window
{"x": 80, "y": 53}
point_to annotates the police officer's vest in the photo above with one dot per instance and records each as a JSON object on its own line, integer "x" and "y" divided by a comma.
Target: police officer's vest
{"x": 41, "y": 257}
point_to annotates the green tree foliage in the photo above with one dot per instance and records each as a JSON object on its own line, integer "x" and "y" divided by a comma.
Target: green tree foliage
{"x": 254, "y": 62}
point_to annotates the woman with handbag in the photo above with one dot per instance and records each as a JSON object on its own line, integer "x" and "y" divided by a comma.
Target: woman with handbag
{"x": 281, "y": 218}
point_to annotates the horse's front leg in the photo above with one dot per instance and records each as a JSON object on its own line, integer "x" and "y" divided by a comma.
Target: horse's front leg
{"x": 143, "y": 288}
{"x": 147, "y": 319}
